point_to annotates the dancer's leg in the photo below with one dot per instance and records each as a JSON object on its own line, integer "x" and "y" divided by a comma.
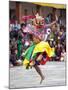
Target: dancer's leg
{"x": 39, "y": 72}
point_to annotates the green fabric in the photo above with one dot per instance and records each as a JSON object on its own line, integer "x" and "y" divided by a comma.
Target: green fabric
{"x": 19, "y": 48}
{"x": 28, "y": 52}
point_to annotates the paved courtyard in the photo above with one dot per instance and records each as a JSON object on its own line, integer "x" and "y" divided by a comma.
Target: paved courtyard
{"x": 54, "y": 73}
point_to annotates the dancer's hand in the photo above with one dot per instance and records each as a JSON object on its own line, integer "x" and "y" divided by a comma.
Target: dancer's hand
{"x": 56, "y": 17}
{"x": 32, "y": 63}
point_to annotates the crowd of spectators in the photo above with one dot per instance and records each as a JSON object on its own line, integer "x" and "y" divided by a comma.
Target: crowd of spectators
{"x": 20, "y": 41}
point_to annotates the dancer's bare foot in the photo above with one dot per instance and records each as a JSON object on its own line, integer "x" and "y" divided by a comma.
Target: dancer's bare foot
{"x": 39, "y": 72}
{"x": 42, "y": 78}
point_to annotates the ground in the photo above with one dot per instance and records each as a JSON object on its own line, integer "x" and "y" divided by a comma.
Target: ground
{"x": 54, "y": 73}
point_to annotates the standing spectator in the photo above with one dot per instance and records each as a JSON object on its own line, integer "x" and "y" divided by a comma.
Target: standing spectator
{"x": 19, "y": 47}
{"x": 16, "y": 25}
{"x": 20, "y": 40}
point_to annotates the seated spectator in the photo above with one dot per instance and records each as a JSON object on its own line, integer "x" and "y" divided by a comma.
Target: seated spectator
{"x": 63, "y": 55}
{"x": 58, "y": 50}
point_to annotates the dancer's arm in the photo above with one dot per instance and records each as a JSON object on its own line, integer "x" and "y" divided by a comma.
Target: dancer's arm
{"x": 49, "y": 25}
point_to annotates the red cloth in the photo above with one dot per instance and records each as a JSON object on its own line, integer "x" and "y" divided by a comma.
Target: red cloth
{"x": 42, "y": 62}
{"x": 12, "y": 21}
{"x": 25, "y": 18}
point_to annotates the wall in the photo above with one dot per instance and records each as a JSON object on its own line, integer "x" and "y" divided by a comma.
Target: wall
{"x": 29, "y": 6}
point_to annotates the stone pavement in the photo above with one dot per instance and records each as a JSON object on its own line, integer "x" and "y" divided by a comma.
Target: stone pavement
{"x": 54, "y": 73}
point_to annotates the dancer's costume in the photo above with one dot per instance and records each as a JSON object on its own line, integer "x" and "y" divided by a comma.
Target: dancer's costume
{"x": 41, "y": 47}
{"x": 34, "y": 49}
